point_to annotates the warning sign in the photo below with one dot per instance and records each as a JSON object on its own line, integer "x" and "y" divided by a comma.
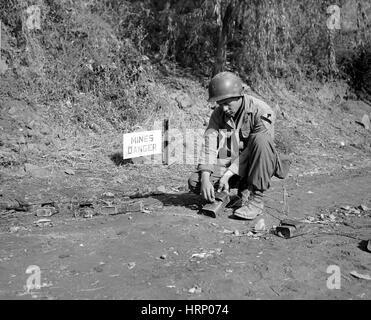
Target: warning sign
{"x": 145, "y": 143}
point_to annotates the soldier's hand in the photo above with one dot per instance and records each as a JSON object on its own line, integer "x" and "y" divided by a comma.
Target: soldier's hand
{"x": 224, "y": 181}
{"x": 223, "y": 184}
{"x": 207, "y": 191}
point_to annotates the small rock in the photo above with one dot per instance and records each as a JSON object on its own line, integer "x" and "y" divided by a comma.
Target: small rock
{"x": 342, "y": 144}
{"x": 3, "y": 66}
{"x": 43, "y": 223}
{"x": 355, "y": 211}
{"x": 363, "y": 207}
{"x": 345, "y": 208}
{"x": 360, "y": 276}
{"x": 69, "y": 172}
{"x": 161, "y": 190}
{"x": 184, "y": 101}
{"x": 236, "y": 232}
{"x": 260, "y": 225}
{"x": 108, "y": 195}
{"x": 163, "y": 257}
{"x": 94, "y": 127}
{"x": 310, "y": 192}
{"x": 131, "y": 265}
{"x": 201, "y": 255}
{"x": 366, "y": 122}
{"x": 311, "y": 219}
{"x": 88, "y": 213}
{"x": 195, "y": 290}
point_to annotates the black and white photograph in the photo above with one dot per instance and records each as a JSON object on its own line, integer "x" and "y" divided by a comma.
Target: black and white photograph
{"x": 204, "y": 152}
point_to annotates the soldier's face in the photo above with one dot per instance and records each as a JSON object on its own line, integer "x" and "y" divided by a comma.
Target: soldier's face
{"x": 230, "y": 105}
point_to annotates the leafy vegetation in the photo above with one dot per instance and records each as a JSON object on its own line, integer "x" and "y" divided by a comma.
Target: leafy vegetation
{"x": 106, "y": 56}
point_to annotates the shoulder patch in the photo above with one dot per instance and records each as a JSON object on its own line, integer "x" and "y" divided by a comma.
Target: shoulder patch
{"x": 267, "y": 117}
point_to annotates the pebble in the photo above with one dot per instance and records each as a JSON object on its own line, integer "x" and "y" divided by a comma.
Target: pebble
{"x": 196, "y": 290}
{"x": 43, "y": 223}
{"x": 69, "y": 171}
{"x": 260, "y": 225}
{"x": 161, "y": 189}
{"x": 355, "y": 211}
{"x": 363, "y": 207}
{"x": 108, "y": 195}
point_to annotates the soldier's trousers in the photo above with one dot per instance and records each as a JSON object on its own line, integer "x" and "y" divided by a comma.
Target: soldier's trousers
{"x": 259, "y": 162}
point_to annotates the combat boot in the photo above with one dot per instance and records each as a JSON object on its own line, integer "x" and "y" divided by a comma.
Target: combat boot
{"x": 251, "y": 207}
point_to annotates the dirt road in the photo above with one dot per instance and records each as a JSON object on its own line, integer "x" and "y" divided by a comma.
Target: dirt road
{"x": 172, "y": 252}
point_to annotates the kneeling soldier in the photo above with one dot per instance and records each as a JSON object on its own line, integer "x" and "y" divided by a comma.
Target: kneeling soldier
{"x": 238, "y": 150}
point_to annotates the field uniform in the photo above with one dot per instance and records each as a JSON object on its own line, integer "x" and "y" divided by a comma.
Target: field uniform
{"x": 238, "y": 150}
{"x": 244, "y": 144}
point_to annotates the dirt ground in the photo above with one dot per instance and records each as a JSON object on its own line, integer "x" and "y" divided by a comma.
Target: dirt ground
{"x": 170, "y": 251}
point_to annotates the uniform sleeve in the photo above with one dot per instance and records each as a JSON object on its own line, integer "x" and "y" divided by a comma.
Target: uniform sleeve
{"x": 209, "y": 150}
{"x": 264, "y": 119}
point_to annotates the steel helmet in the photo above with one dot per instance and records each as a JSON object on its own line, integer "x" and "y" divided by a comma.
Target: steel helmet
{"x": 224, "y": 85}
